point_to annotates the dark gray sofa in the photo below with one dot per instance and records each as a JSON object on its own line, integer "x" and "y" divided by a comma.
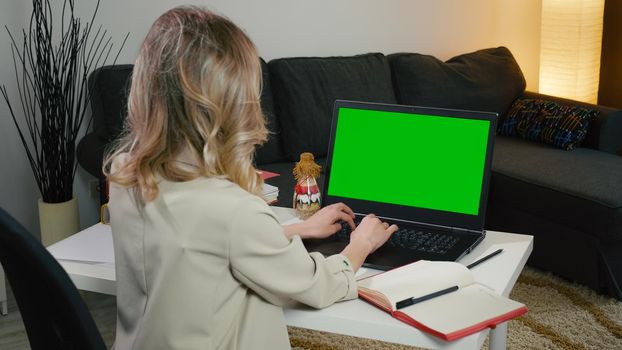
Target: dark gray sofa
{"x": 570, "y": 201}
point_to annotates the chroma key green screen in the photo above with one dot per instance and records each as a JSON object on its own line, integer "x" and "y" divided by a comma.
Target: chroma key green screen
{"x": 431, "y": 162}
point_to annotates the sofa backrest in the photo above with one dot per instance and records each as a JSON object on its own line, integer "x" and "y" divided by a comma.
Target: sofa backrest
{"x": 305, "y": 89}
{"x": 298, "y": 93}
{"x": 108, "y": 90}
{"x": 272, "y": 150}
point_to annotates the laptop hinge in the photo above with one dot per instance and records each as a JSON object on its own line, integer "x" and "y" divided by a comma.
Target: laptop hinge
{"x": 417, "y": 223}
{"x": 409, "y": 222}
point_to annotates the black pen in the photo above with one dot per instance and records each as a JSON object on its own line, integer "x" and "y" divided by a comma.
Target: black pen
{"x": 411, "y": 301}
{"x": 477, "y": 262}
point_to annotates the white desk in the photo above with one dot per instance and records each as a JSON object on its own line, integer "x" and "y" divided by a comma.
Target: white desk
{"x": 88, "y": 258}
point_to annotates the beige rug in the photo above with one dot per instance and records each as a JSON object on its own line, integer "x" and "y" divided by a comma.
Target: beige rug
{"x": 561, "y": 316}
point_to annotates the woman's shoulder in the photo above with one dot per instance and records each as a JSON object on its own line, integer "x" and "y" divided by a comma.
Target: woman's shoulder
{"x": 118, "y": 161}
{"x": 212, "y": 198}
{"x": 211, "y": 189}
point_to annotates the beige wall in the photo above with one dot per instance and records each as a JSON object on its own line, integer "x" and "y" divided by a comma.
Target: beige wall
{"x": 518, "y": 28}
{"x": 280, "y": 28}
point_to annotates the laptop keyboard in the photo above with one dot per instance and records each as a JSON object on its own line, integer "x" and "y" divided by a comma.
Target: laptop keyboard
{"x": 410, "y": 237}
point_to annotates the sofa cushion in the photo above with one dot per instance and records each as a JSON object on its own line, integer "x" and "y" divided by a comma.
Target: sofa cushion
{"x": 485, "y": 80}
{"x": 581, "y": 189}
{"x": 604, "y": 131}
{"x": 547, "y": 121}
{"x": 272, "y": 150}
{"x": 305, "y": 90}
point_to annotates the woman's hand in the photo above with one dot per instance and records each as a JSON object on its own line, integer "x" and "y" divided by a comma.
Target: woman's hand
{"x": 368, "y": 236}
{"x": 324, "y": 223}
{"x": 373, "y": 231}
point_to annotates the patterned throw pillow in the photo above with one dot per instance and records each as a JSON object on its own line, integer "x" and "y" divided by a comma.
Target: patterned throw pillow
{"x": 547, "y": 121}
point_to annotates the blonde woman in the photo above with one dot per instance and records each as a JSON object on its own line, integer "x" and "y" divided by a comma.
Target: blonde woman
{"x": 202, "y": 262}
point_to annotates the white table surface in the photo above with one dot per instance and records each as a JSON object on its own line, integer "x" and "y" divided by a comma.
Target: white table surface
{"x": 88, "y": 258}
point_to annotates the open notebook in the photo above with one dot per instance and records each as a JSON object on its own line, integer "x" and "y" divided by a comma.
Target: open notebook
{"x": 469, "y": 309}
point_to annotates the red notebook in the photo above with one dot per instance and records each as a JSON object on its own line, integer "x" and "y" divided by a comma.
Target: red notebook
{"x": 469, "y": 308}
{"x": 267, "y": 174}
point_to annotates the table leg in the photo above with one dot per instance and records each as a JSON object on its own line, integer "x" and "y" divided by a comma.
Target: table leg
{"x": 3, "y": 300}
{"x": 498, "y": 337}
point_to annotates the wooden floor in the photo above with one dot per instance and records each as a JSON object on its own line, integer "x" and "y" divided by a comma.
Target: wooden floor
{"x": 13, "y": 335}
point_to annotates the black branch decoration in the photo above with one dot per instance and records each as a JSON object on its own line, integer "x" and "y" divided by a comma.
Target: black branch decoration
{"x": 51, "y": 72}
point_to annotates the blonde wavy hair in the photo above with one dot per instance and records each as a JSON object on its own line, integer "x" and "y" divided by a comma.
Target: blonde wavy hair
{"x": 196, "y": 86}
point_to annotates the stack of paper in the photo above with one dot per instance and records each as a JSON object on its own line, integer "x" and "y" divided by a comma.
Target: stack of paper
{"x": 270, "y": 193}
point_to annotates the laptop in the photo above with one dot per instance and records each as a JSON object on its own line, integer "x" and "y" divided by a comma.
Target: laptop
{"x": 425, "y": 169}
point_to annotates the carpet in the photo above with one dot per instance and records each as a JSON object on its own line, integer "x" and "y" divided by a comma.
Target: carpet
{"x": 561, "y": 315}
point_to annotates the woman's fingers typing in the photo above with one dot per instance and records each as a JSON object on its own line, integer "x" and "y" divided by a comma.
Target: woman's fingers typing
{"x": 326, "y": 221}
{"x": 374, "y": 231}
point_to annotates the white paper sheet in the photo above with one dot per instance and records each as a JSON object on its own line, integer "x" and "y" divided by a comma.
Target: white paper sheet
{"x": 93, "y": 245}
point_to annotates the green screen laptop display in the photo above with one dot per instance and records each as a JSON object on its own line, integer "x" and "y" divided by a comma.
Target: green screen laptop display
{"x": 425, "y": 161}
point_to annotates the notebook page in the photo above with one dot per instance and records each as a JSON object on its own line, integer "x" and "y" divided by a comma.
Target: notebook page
{"x": 418, "y": 279}
{"x": 462, "y": 309}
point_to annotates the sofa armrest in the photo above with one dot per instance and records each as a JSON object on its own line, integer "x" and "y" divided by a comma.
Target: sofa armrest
{"x": 604, "y": 133}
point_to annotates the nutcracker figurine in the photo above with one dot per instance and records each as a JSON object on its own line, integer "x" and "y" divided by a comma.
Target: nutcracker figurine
{"x": 306, "y": 192}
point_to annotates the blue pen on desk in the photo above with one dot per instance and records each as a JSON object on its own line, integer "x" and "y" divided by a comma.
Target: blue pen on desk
{"x": 411, "y": 301}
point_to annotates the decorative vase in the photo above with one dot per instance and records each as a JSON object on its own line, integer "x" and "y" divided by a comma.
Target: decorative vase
{"x": 58, "y": 220}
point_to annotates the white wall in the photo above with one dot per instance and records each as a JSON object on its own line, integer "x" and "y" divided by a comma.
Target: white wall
{"x": 18, "y": 192}
{"x": 281, "y": 28}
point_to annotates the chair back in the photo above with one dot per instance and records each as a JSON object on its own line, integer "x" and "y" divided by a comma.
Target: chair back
{"x": 54, "y": 315}
{"x": 107, "y": 94}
